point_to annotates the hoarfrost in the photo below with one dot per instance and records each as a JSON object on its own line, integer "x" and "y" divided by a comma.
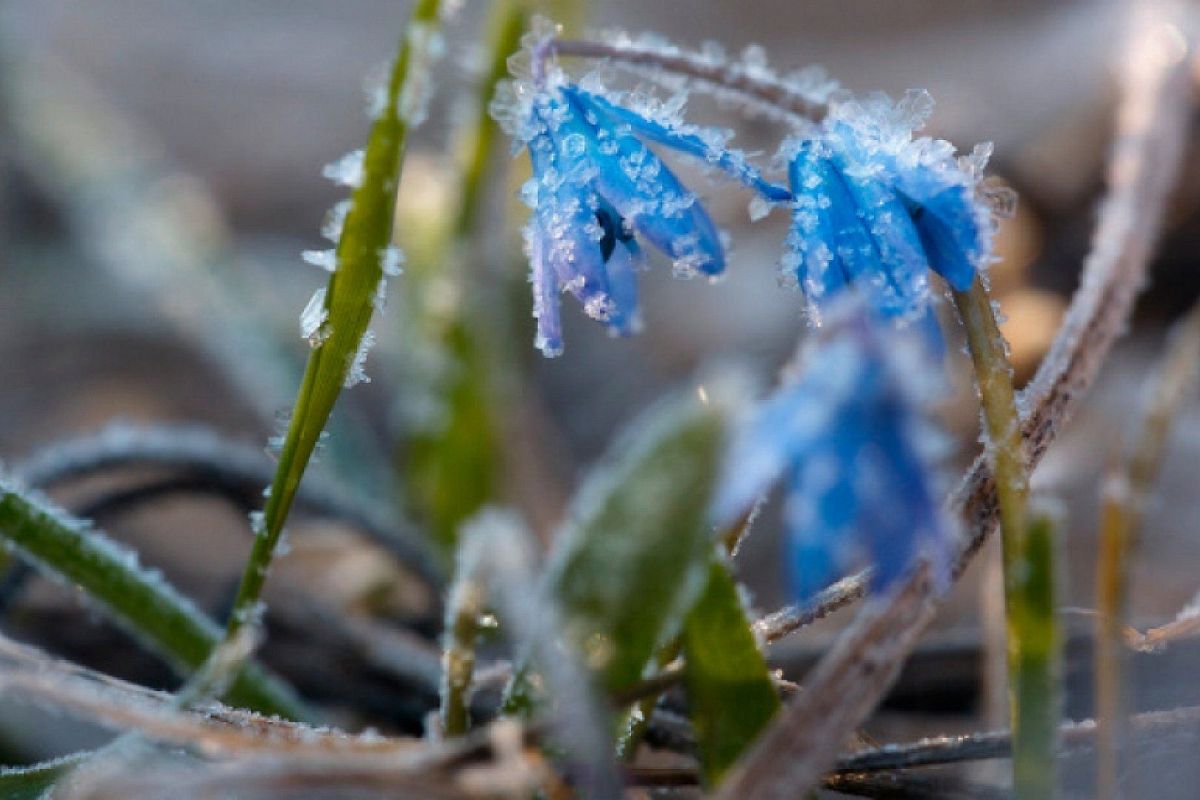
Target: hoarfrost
{"x": 347, "y": 170}
{"x": 391, "y": 259}
{"x": 325, "y": 259}
{"x": 313, "y": 319}
{"x": 427, "y": 47}
{"x": 335, "y": 221}
{"x": 356, "y": 374}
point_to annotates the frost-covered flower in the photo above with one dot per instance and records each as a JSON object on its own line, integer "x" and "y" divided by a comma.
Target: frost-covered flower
{"x": 596, "y": 184}
{"x": 877, "y": 208}
{"x": 850, "y": 438}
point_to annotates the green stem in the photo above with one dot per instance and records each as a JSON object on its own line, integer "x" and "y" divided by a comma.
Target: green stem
{"x": 1125, "y": 496}
{"x": 1006, "y": 454}
{"x": 349, "y": 298}
{"x": 1036, "y": 678}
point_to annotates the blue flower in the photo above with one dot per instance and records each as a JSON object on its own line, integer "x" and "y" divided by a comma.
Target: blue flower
{"x": 875, "y": 208}
{"x": 849, "y": 438}
{"x": 595, "y": 184}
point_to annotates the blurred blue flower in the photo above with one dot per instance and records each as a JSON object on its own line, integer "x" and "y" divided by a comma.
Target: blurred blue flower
{"x": 595, "y": 184}
{"x": 850, "y": 439}
{"x": 877, "y": 208}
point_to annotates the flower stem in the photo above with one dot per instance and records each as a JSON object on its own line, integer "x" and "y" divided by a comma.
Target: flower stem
{"x": 1124, "y": 499}
{"x": 1027, "y": 559}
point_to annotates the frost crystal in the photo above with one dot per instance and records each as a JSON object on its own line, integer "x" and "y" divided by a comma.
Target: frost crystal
{"x": 313, "y": 319}
{"x": 427, "y": 47}
{"x": 391, "y": 260}
{"x": 325, "y": 259}
{"x": 356, "y": 374}
{"x": 347, "y": 170}
{"x": 335, "y": 220}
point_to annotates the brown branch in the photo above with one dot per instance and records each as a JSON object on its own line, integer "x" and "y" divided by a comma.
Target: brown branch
{"x": 848, "y": 683}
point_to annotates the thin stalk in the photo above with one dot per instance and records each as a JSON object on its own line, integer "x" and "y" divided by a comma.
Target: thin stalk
{"x": 1035, "y": 685}
{"x": 1005, "y": 449}
{"x": 349, "y": 303}
{"x": 463, "y": 611}
{"x": 1125, "y": 494}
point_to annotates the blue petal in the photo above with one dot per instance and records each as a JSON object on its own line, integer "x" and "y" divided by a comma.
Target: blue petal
{"x": 732, "y": 162}
{"x": 545, "y": 293}
{"x": 624, "y": 317}
{"x": 646, "y": 193}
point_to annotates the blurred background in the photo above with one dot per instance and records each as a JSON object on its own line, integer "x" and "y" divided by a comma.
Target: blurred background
{"x": 160, "y": 174}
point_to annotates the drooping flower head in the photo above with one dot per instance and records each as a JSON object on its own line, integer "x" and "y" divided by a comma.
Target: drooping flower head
{"x": 596, "y": 184}
{"x": 876, "y": 208}
{"x": 849, "y": 437}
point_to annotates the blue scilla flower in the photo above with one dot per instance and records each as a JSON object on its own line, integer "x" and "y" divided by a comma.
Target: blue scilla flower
{"x": 596, "y": 184}
{"x": 849, "y": 438}
{"x": 876, "y": 208}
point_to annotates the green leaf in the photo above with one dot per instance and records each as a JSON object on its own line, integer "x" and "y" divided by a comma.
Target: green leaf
{"x": 350, "y": 295}
{"x": 137, "y": 598}
{"x": 32, "y": 782}
{"x": 633, "y": 554}
{"x": 730, "y": 692}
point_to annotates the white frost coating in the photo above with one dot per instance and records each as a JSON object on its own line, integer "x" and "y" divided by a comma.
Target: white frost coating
{"x": 325, "y": 259}
{"x": 391, "y": 259}
{"x": 313, "y": 318}
{"x": 426, "y": 48}
{"x": 335, "y": 221}
{"x": 357, "y": 374}
{"x": 347, "y": 170}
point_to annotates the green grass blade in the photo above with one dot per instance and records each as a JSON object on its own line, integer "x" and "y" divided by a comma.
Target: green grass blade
{"x": 349, "y": 300}
{"x": 730, "y": 691}
{"x": 634, "y": 553}
{"x": 137, "y": 598}
{"x": 1036, "y": 693}
{"x": 33, "y": 781}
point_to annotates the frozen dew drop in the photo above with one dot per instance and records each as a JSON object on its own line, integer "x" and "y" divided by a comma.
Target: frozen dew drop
{"x": 313, "y": 319}
{"x": 759, "y": 208}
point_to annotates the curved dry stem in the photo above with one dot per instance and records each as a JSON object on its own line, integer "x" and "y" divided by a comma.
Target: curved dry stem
{"x": 761, "y": 88}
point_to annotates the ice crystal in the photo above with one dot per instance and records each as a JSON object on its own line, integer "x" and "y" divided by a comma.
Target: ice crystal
{"x": 347, "y": 170}
{"x": 356, "y": 373}
{"x": 313, "y": 319}
{"x": 325, "y": 259}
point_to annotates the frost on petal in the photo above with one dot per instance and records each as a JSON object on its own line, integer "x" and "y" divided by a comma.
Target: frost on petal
{"x": 347, "y": 170}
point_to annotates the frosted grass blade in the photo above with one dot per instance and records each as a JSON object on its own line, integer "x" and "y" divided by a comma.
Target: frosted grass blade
{"x": 136, "y": 598}
{"x": 350, "y": 295}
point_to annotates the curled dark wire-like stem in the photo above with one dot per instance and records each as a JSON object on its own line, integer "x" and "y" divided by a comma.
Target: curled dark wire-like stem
{"x": 236, "y": 470}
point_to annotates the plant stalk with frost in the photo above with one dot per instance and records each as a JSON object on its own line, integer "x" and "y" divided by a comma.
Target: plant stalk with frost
{"x": 595, "y": 184}
{"x": 1126, "y": 493}
{"x": 362, "y": 257}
